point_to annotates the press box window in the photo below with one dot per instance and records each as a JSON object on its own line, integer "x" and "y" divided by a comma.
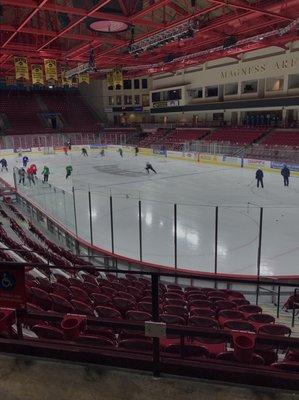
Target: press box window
{"x": 127, "y": 84}
{"x": 144, "y": 83}
{"x": 136, "y": 84}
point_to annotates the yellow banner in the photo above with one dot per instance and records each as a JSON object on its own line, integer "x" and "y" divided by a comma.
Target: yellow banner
{"x": 64, "y": 80}
{"x": 118, "y": 78}
{"x": 37, "y": 74}
{"x": 51, "y": 70}
{"x": 84, "y": 78}
{"x": 110, "y": 79}
{"x": 21, "y": 67}
{"x": 10, "y": 80}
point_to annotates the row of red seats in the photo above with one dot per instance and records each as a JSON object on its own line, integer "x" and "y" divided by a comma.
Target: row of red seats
{"x": 235, "y": 136}
{"x": 112, "y": 297}
{"x": 58, "y": 255}
{"x": 75, "y": 329}
{"x": 282, "y": 138}
{"x": 27, "y": 255}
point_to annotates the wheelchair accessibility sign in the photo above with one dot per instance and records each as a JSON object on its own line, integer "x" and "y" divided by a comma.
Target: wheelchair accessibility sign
{"x": 12, "y": 286}
{"x": 7, "y": 281}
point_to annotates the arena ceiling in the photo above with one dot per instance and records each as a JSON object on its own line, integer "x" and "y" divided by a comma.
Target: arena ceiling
{"x": 60, "y": 29}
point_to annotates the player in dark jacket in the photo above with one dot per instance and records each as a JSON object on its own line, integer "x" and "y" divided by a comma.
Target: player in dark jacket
{"x": 25, "y": 161}
{"x": 149, "y": 168}
{"x": 259, "y": 176}
{"x": 285, "y": 172}
{"x": 3, "y": 163}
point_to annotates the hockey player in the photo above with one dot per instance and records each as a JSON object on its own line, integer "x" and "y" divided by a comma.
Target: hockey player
{"x": 65, "y": 150}
{"x": 25, "y": 161}
{"x": 102, "y": 153}
{"x": 69, "y": 170}
{"x": 120, "y": 150}
{"x": 149, "y": 168}
{"x": 22, "y": 173}
{"x": 46, "y": 173}
{"x": 3, "y": 163}
{"x": 84, "y": 152}
{"x": 30, "y": 175}
{"x": 259, "y": 176}
{"x": 285, "y": 172}
{"x": 33, "y": 168}
{"x": 136, "y": 151}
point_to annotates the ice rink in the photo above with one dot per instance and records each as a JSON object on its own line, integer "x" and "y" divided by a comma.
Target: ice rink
{"x": 197, "y": 189}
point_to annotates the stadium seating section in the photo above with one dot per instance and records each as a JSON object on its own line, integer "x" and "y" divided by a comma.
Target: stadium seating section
{"x": 282, "y": 138}
{"x": 236, "y": 136}
{"x": 127, "y": 297}
{"x": 172, "y": 139}
{"x": 23, "y": 111}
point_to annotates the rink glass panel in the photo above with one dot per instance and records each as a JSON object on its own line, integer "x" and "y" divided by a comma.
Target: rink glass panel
{"x": 238, "y": 233}
{"x": 55, "y": 201}
{"x": 157, "y": 232}
{"x": 280, "y": 240}
{"x": 195, "y": 237}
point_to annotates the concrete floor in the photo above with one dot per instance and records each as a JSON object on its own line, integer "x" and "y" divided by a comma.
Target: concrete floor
{"x": 34, "y": 379}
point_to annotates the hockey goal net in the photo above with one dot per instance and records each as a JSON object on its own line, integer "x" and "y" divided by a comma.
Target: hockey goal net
{"x": 49, "y": 150}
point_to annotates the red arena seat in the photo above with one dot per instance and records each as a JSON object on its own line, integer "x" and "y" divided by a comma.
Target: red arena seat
{"x": 47, "y": 332}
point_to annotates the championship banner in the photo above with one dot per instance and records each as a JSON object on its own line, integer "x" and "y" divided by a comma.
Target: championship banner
{"x": 110, "y": 79}
{"x": 65, "y": 81}
{"x": 10, "y": 80}
{"x": 51, "y": 70}
{"x": 21, "y": 67}
{"x": 84, "y": 78}
{"x": 118, "y": 78}
{"x": 37, "y": 74}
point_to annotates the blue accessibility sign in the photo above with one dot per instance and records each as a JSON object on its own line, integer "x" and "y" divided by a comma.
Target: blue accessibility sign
{"x": 7, "y": 281}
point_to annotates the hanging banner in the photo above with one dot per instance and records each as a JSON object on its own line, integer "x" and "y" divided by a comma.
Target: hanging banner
{"x": 84, "y": 78}
{"x": 110, "y": 79}
{"x": 118, "y": 78}
{"x": 65, "y": 81}
{"x": 21, "y": 67}
{"x": 51, "y": 70}
{"x": 37, "y": 74}
{"x": 10, "y": 80}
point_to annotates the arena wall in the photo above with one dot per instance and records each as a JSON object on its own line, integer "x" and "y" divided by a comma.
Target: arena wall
{"x": 198, "y": 158}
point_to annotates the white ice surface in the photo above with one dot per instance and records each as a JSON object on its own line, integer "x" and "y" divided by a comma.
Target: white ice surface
{"x": 197, "y": 189}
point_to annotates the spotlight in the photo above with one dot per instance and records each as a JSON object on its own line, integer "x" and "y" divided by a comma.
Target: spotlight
{"x": 229, "y": 42}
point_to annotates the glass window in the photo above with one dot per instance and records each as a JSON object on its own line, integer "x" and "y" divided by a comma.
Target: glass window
{"x": 136, "y": 99}
{"x": 199, "y": 93}
{"x": 111, "y": 100}
{"x": 127, "y": 84}
{"x": 174, "y": 94}
{"x": 144, "y": 83}
{"x": 274, "y": 84}
{"x": 128, "y": 100}
{"x": 156, "y": 96}
{"x": 211, "y": 91}
{"x": 136, "y": 84}
{"x": 249, "y": 87}
{"x": 118, "y": 100}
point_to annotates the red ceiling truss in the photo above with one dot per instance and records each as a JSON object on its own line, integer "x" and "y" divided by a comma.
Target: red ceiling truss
{"x": 59, "y": 29}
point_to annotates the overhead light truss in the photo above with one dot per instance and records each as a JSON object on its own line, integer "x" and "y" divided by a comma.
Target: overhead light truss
{"x": 183, "y": 31}
{"x": 239, "y": 43}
